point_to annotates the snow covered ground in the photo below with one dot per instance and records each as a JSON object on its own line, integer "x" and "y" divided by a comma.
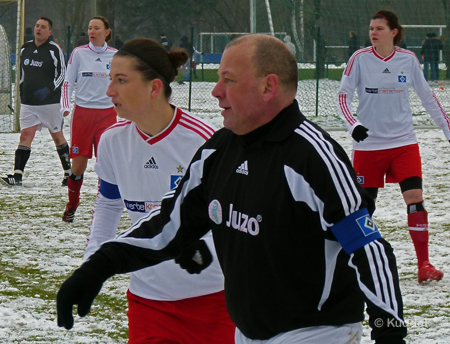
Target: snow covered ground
{"x": 38, "y": 250}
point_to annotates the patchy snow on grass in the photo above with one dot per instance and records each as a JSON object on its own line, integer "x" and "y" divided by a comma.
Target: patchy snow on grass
{"x": 39, "y": 251}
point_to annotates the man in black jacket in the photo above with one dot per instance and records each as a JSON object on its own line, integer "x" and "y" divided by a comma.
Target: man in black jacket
{"x": 430, "y": 54}
{"x": 291, "y": 225}
{"x": 42, "y": 70}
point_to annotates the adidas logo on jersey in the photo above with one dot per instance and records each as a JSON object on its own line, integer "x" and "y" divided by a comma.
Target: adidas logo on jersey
{"x": 98, "y": 59}
{"x": 151, "y": 164}
{"x": 243, "y": 169}
{"x": 386, "y": 71}
{"x": 35, "y": 52}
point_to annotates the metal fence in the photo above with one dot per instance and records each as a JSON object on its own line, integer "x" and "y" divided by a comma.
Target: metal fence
{"x": 318, "y": 28}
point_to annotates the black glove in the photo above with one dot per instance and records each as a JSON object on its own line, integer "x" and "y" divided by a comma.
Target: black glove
{"x": 390, "y": 340}
{"x": 42, "y": 93}
{"x": 360, "y": 133}
{"x": 195, "y": 258}
{"x": 81, "y": 289}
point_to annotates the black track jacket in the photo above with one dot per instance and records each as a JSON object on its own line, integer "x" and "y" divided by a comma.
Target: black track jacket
{"x": 41, "y": 67}
{"x": 271, "y": 198}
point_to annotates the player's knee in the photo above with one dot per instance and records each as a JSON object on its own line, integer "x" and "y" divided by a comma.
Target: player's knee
{"x": 411, "y": 183}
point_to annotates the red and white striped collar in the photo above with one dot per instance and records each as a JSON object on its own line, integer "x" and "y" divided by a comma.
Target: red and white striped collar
{"x": 165, "y": 132}
{"x": 387, "y": 58}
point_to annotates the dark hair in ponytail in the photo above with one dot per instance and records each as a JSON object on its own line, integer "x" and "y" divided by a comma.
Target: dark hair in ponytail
{"x": 153, "y": 61}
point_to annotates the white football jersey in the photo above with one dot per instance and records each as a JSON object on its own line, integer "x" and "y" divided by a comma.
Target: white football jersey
{"x": 382, "y": 85}
{"x": 88, "y": 67}
{"x": 145, "y": 168}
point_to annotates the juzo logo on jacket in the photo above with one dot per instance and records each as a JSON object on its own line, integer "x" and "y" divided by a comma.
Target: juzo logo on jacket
{"x": 151, "y": 164}
{"x": 243, "y": 222}
{"x": 243, "y": 169}
{"x": 32, "y": 63}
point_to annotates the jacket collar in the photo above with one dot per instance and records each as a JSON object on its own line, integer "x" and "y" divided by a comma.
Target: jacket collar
{"x": 276, "y": 130}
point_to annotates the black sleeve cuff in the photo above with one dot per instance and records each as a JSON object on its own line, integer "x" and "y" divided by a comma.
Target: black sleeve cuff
{"x": 98, "y": 266}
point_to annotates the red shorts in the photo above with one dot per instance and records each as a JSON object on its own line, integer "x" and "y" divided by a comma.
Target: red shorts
{"x": 86, "y": 128}
{"x": 196, "y": 320}
{"x": 397, "y": 164}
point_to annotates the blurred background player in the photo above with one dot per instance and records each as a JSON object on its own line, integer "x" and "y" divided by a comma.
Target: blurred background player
{"x": 138, "y": 161}
{"x": 82, "y": 40}
{"x": 28, "y": 35}
{"x": 118, "y": 43}
{"x": 385, "y": 144}
{"x": 430, "y": 54}
{"x": 352, "y": 43}
{"x": 186, "y": 45}
{"x": 42, "y": 68}
{"x": 290, "y": 45}
{"x": 166, "y": 44}
{"x": 94, "y": 112}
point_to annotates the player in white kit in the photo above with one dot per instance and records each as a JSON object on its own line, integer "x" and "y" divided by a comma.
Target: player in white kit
{"x": 138, "y": 161}
{"x": 384, "y": 140}
{"x": 88, "y": 67}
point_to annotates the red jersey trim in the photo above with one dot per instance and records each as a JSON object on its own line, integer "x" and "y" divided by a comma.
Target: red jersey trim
{"x": 350, "y": 63}
{"x": 387, "y": 58}
{"x": 444, "y": 114}
{"x": 185, "y": 120}
{"x": 192, "y": 123}
{"x": 65, "y": 96}
{"x": 152, "y": 140}
{"x": 119, "y": 124}
{"x": 86, "y": 46}
{"x": 345, "y": 110}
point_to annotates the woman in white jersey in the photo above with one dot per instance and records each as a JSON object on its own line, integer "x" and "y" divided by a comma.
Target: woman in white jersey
{"x": 88, "y": 67}
{"x": 385, "y": 144}
{"x": 138, "y": 161}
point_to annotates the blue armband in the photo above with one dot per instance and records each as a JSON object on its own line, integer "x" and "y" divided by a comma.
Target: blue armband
{"x": 108, "y": 190}
{"x": 355, "y": 231}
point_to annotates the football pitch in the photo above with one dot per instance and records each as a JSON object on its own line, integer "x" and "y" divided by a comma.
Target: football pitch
{"x": 39, "y": 251}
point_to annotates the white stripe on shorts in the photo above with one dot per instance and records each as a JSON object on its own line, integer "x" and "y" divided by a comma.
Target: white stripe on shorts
{"x": 345, "y": 334}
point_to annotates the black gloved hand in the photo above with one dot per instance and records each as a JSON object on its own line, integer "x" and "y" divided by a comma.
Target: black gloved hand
{"x": 360, "y": 133}
{"x": 390, "y": 340}
{"x": 195, "y": 258}
{"x": 42, "y": 93}
{"x": 81, "y": 288}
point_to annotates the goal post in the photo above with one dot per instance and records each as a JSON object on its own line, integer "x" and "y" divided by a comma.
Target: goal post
{"x": 11, "y": 39}
{"x": 19, "y": 42}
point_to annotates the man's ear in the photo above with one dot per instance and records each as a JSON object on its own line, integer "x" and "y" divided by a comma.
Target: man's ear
{"x": 271, "y": 86}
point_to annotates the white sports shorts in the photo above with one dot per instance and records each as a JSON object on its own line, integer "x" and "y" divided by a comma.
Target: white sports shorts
{"x": 345, "y": 334}
{"x": 47, "y": 116}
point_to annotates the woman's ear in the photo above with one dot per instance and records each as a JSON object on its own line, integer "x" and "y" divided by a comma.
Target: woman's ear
{"x": 156, "y": 86}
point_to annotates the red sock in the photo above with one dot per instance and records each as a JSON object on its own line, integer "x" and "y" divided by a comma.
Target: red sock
{"x": 74, "y": 187}
{"x": 418, "y": 230}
